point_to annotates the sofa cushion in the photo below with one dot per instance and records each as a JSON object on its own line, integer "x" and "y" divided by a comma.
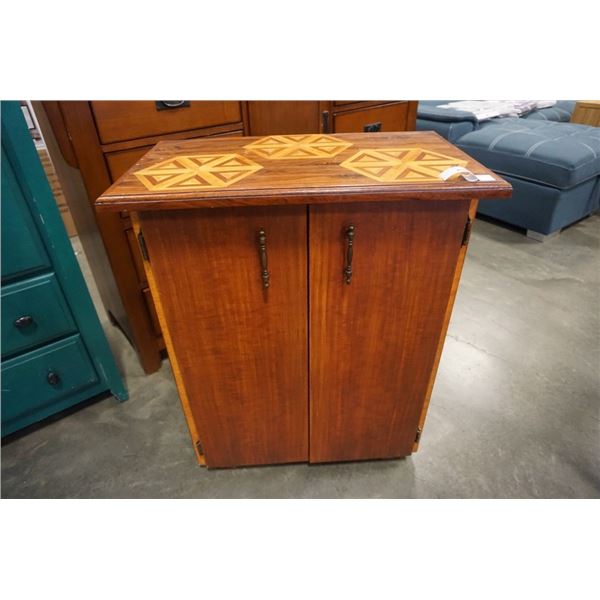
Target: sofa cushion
{"x": 429, "y": 109}
{"x": 557, "y": 154}
{"x": 449, "y": 123}
{"x": 452, "y": 131}
{"x": 561, "y": 112}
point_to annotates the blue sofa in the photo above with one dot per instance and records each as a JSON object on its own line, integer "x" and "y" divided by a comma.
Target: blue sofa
{"x": 453, "y": 124}
{"x": 553, "y": 166}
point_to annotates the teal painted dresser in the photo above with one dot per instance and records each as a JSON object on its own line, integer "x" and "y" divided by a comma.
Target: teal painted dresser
{"x": 54, "y": 351}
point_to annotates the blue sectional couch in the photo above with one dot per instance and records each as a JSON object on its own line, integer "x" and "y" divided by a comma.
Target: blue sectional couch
{"x": 553, "y": 166}
{"x": 453, "y": 124}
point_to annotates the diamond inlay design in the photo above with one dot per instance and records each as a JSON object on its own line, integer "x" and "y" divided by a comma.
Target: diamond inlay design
{"x": 401, "y": 165}
{"x": 286, "y": 147}
{"x": 197, "y": 171}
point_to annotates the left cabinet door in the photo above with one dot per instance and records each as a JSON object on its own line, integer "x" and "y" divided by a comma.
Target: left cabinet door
{"x": 240, "y": 347}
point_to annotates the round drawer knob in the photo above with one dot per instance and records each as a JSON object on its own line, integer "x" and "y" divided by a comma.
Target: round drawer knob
{"x": 24, "y": 321}
{"x": 52, "y": 378}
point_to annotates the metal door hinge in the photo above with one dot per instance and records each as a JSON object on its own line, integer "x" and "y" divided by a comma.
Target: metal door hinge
{"x": 143, "y": 247}
{"x": 418, "y": 436}
{"x": 467, "y": 232}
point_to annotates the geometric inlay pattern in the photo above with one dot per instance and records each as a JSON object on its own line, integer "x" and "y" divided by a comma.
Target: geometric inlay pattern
{"x": 197, "y": 171}
{"x": 402, "y": 165}
{"x": 282, "y": 147}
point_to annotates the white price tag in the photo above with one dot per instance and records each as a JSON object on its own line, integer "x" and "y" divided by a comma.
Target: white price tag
{"x": 455, "y": 172}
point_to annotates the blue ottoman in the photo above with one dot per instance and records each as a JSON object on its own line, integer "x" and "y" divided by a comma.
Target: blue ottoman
{"x": 554, "y": 169}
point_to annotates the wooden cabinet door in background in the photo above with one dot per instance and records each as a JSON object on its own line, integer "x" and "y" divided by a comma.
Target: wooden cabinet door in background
{"x": 373, "y": 341}
{"x": 240, "y": 348}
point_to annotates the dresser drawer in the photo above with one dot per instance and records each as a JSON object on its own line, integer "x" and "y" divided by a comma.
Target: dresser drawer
{"x": 118, "y": 162}
{"x": 41, "y": 377}
{"x": 22, "y": 247}
{"x": 390, "y": 117}
{"x": 33, "y": 312}
{"x": 118, "y": 121}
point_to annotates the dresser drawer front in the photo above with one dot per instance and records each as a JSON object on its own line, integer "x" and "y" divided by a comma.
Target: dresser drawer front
{"x": 122, "y": 160}
{"x": 119, "y": 121}
{"x": 46, "y": 375}
{"x": 391, "y": 117}
{"x": 22, "y": 247}
{"x": 33, "y": 312}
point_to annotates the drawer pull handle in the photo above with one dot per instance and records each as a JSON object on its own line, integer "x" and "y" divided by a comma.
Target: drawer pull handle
{"x": 262, "y": 249}
{"x": 24, "y": 321}
{"x": 53, "y": 378}
{"x": 349, "y": 252}
{"x": 325, "y": 121}
{"x": 167, "y": 104}
{"x": 372, "y": 127}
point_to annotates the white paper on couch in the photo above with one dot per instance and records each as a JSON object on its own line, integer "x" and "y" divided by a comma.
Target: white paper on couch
{"x": 489, "y": 109}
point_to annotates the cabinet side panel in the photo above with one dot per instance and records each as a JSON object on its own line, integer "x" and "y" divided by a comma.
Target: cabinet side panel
{"x": 442, "y": 337}
{"x": 241, "y": 349}
{"x": 373, "y": 342}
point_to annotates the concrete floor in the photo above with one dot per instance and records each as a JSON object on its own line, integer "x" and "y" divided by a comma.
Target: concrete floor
{"x": 514, "y": 413}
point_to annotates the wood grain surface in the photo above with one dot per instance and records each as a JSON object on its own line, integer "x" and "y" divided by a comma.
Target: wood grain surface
{"x": 118, "y": 286}
{"x": 298, "y": 181}
{"x": 241, "y": 349}
{"x": 373, "y": 342}
{"x": 444, "y": 328}
{"x": 181, "y": 388}
{"x": 117, "y": 121}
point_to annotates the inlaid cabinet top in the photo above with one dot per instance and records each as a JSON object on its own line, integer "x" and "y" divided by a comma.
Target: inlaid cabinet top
{"x": 297, "y": 169}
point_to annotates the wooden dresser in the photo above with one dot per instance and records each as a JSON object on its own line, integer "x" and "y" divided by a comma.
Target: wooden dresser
{"x": 587, "y": 112}
{"x": 304, "y": 284}
{"x": 101, "y": 140}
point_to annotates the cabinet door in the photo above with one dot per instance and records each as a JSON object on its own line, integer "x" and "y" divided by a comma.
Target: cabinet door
{"x": 373, "y": 341}
{"x": 240, "y": 348}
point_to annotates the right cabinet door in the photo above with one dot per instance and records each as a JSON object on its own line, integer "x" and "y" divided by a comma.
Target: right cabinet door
{"x": 373, "y": 340}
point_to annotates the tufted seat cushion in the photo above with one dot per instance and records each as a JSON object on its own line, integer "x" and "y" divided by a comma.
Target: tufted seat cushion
{"x": 561, "y": 111}
{"x": 548, "y": 152}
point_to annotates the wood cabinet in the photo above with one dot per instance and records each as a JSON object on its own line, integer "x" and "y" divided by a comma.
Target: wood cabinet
{"x": 587, "y": 112}
{"x": 101, "y": 140}
{"x": 304, "y": 284}
{"x": 269, "y": 117}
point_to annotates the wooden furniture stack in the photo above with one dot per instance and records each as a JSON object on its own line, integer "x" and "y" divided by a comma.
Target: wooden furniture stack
{"x": 100, "y": 140}
{"x": 304, "y": 284}
{"x": 587, "y": 112}
{"x": 54, "y": 352}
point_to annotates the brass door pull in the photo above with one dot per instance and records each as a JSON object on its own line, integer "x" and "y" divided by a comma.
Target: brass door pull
{"x": 262, "y": 247}
{"x": 349, "y": 247}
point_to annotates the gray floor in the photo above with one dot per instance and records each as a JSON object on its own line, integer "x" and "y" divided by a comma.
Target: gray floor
{"x": 514, "y": 412}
